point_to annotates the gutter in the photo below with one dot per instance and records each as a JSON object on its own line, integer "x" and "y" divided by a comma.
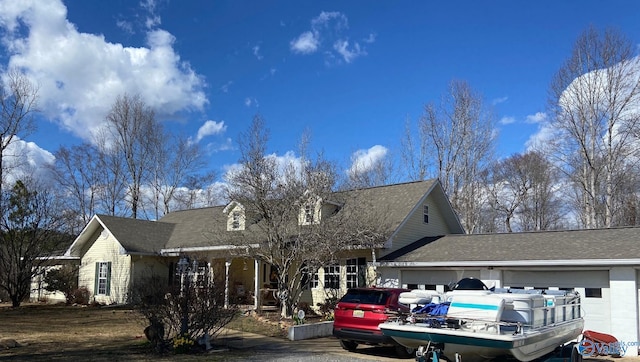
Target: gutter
{"x": 512, "y": 263}
{"x": 195, "y": 249}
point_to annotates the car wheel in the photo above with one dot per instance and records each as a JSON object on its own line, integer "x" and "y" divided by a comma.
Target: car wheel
{"x": 405, "y": 352}
{"x": 349, "y": 345}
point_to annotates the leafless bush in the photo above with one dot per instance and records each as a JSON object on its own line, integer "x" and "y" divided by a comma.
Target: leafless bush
{"x": 195, "y": 309}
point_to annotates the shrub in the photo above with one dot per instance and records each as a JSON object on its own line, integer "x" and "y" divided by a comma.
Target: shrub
{"x": 193, "y": 311}
{"x": 63, "y": 279}
{"x": 80, "y": 296}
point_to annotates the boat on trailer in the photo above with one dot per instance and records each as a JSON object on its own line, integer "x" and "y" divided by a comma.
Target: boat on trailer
{"x": 475, "y": 323}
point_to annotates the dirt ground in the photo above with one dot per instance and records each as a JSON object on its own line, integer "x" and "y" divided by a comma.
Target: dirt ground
{"x": 71, "y": 333}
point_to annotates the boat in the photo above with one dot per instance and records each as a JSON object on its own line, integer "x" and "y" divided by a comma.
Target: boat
{"x": 476, "y": 323}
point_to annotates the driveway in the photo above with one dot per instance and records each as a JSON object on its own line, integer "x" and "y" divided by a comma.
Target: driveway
{"x": 245, "y": 346}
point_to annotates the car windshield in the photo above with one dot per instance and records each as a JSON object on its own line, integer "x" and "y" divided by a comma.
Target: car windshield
{"x": 366, "y": 296}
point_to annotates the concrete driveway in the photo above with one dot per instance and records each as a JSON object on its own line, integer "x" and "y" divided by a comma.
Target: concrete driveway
{"x": 245, "y": 346}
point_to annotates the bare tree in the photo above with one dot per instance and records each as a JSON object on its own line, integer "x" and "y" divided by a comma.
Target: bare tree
{"x": 460, "y": 133}
{"x": 294, "y": 218}
{"x": 595, "y": 101}
{"x": 18, "y": 101}
{"x": 368, "y": 173}
{"x": 134, "y": 136}
{"x": 523, "y": 190}
{"x": 29, "y": 234}
{"x": 415, "y": 152}
{"x": 176, "y": 161}
{"x": 78, "y": 177}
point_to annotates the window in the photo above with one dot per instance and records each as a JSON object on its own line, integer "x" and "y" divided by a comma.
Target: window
{"x": 308, "y": 214}
{"x": 235, "y": 216}
{"x": 332, "y": 277}
{"x": 425, "y": 214}
{"x": 103, "y": 278}
{"x": 356, "y": 272}
{"x": 593, "y": 292}
{"x": 311, "y": 279}
{"x": 235, "y": 220}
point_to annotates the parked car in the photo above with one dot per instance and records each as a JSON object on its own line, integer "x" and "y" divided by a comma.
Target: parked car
{"x": 359, "y": 313}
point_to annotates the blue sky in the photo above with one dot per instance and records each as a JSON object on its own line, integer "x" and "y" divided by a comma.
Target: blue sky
{"x": 350, "y": 72}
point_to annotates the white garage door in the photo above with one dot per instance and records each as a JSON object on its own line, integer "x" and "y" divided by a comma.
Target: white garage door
{"x": 592, "y": 285}
{"x": 426, "y": 279}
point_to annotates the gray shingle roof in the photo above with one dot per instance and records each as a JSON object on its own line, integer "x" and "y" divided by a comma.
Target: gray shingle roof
{"x": 615, "y": 243}
{"x": 208, "y": 226}
{"x": 138, "y": 236}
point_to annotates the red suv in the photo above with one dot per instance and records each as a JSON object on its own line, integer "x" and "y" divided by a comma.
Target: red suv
{"x": 360, "y": 311}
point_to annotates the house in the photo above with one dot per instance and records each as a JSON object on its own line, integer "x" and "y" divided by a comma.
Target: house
{"x": 602, "y": 265}
{"x": 114, "y": 252}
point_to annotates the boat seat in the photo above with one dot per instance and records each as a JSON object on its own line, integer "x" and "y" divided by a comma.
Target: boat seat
{"x": 479, "y": 307}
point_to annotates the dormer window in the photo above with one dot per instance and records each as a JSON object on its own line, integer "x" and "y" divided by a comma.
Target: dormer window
{"x": 236, "y": 216}
{"x": 310, "y": 212}
{"x": 235, "y": 220}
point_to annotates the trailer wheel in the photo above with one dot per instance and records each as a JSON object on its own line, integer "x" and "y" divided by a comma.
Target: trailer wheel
{"x": 576, "y": 356}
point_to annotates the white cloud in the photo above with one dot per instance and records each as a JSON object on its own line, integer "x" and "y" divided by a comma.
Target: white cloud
{"x": 25, "y": 159}
{"x": 80, "y": 74}
{"x": 507, "y": 120}
{"x": 499, "y": 100}
{"x": 256, "y": 52}
{"x": 210, "y": 128}
{"x": 225, "y": 87}
{"x": 251, "y": 101}
{"x": 539, "y": 117}
{"x": 370, "y": 39}
{"x": 326, "y": 17}
{"x": 329, "y": 28}
{"x": 306, "y": 43}
{"x": 365, "y": 160}
{"x": 153, "y": 19}
{"x": 342, "y": 47}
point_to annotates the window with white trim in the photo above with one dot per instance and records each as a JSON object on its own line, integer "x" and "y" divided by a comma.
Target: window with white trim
{"x": 308, "y": 213}
{"x": 425, "y": 214}
{"x": 356, "y": 272}
{"x": 235, "y": 220}
{"x": 332, "y": 276}
{"x": 103, "y": 278}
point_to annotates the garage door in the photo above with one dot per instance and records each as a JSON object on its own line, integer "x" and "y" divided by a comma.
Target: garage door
{"x": 592, "y": 285}
{"x": 427, "y": 279}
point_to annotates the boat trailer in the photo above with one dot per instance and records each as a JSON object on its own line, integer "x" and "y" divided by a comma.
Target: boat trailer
{"x": 433, "y": 352}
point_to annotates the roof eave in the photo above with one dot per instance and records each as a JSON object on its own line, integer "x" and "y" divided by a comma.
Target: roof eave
{"x": 511, "y": 263}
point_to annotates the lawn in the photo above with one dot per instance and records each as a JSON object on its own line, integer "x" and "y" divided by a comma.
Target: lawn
{"x": 70, "y": 333}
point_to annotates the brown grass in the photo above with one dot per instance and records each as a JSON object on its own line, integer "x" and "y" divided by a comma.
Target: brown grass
{"x": 70, "y": 333}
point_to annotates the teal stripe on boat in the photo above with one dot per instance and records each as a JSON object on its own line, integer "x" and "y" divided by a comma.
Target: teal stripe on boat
{"x": 475, "y": 306}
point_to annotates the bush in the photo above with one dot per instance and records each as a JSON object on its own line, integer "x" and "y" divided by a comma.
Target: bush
{"x": 63, "y": 279}
{"x": 80, "y": 296}
{"x": 181, "y": 314}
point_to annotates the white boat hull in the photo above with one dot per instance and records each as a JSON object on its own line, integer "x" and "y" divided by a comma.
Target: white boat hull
{"x": 472, "y": 346}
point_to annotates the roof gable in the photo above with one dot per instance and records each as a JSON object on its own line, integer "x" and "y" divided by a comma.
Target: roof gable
{"x": 134, "y": 235}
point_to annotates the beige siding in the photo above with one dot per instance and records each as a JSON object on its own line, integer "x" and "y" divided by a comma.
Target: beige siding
{"x": 106, "y": 248}
{"x": 415, "y": 228}
{"x": 144, "y": 267}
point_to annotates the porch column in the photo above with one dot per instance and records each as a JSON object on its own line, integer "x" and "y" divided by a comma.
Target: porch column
{"x": 256, "y": 284}
{"x": 227, "y": 264}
